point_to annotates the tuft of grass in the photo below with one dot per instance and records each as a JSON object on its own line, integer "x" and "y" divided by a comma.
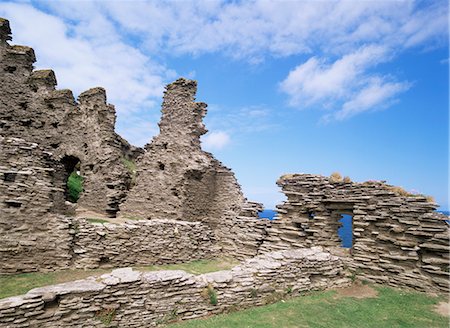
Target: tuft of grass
{"x": 399, "y": 191}
{"x": 212, "y": 294}
{"x": 106, "y": 315}
{"x": 336, "y": 177}
{"x": 74, "y": 187}
{"x": 402, "y": 192}
{"x": 347, "y": 179}
{"x": 95, "y": 220}
{"x": 131, "y": 167}
{"x": 392, "y": 308}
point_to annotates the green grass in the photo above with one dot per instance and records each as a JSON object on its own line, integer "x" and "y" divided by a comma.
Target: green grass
{"x": 18, "y": 284}
{"x": 95, "y": 220}
{"x": 392, "y": 308}
{"x": 196, "y": 267}
{"x": 131, "y": 167}
{"x": 74, "y": 186}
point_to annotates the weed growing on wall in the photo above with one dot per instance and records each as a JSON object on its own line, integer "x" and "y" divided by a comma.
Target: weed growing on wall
{"x": 211, "y": 294}
{"x": 131, "y": 167}
{"x": 106, "y": 315}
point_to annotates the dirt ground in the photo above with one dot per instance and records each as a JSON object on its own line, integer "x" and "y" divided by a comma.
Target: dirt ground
{"x": 443, "y": 308}
{"x": 81, "y": 212}
{"x": 357, "y": 291}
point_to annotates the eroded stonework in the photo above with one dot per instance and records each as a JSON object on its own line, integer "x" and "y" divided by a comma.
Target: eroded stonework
{"x": 32, "y": 109}
{"x": 397, "y": 239}
{"x": 176, "y": 179}
{"x": 194, "y": 203}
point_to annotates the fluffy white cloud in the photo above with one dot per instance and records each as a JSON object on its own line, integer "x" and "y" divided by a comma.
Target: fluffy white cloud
{"x": 344, "y": 86}
{"x": 215, "y": 140}
{"x": 316, "y": 81}
{"x": 376, "y": 94}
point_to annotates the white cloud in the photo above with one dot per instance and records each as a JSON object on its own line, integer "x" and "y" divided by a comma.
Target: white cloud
{"x": 215, "y": 140}
{"x": 345, "y": 86}
{"x": 375, "y": 95}
{"x": 316, "y": 81}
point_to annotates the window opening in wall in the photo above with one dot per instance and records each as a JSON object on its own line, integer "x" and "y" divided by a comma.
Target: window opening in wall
{"x": 268, "y": 214}
{"x": 9, "y": 176}
{"x": 345, "y": 231}
{"x": 74, "y": 180}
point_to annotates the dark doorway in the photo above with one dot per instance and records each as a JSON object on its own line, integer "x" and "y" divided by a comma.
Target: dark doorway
{"x": 73, "y": 178}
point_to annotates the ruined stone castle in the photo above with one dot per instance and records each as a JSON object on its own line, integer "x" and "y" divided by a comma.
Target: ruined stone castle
{"x": 181, "y": 204}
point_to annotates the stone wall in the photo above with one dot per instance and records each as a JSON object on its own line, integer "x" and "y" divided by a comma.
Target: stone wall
{"x": 33, "y": 236}
{"x": 398, "y": 238}
{"x": 139, "y": 243}
{"x": 127, "y": 298}
{"x": 242, "y": 236}
{"x": 175, "y": 178}
{"x": 32, "y": 109}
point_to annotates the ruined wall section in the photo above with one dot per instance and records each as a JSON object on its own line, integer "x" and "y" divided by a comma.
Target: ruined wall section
{"x": 33, "y": 236}
{"x": 175, "y": 178}
{"x": 140, "y": 243}
{"x": 398, "y": 239}
{"x": 31, "y": 108}
{"x": 127, "y": 298}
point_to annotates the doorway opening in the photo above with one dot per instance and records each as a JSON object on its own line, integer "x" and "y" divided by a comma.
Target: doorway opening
{"x": 74, "y": 180}
{"x": 345, "y": 231}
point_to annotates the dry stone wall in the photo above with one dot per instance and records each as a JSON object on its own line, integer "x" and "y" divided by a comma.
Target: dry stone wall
{"x": 398, "y": 239}
{"x": 32, "y": 109}
{"x": 241, "y": 237}
{"x": 142, "y": 243}
{"x": 33, "y": 237}
{"x": 175, "y": 178}
{"x": 127, "y": 298}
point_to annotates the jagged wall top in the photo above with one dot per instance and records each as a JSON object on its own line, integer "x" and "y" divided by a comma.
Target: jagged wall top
{"x": 5, "y": 30}
{"x": 182, "y": 118}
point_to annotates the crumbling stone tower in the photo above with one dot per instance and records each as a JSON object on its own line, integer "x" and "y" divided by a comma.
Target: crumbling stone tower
{"x": 175, "y": 178}
{"x": 74, "y": 132}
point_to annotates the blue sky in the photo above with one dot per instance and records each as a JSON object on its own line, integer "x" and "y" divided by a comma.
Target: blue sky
{"x": 359, "y": 87}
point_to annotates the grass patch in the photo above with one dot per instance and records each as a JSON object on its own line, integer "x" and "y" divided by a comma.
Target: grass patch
{"x": 197, "y": 266}
{"x": 133, "y": 218}
{"x": 336, "y": 177}
{"x": 94, "y": 220}
{"x": 392, "y": 308}
{"x": 74, "y": 187}
{"x": 18, "y": 284}
{"x": 131, "y": 167}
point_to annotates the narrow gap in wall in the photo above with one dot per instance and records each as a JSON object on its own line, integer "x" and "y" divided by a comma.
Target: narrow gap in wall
{"x": 345, "y": 231}
{"x": 74, "y": 180}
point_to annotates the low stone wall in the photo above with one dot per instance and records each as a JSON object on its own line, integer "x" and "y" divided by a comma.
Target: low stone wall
{"x": 127, "y": 298}
{"x": 140, "y": 243}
